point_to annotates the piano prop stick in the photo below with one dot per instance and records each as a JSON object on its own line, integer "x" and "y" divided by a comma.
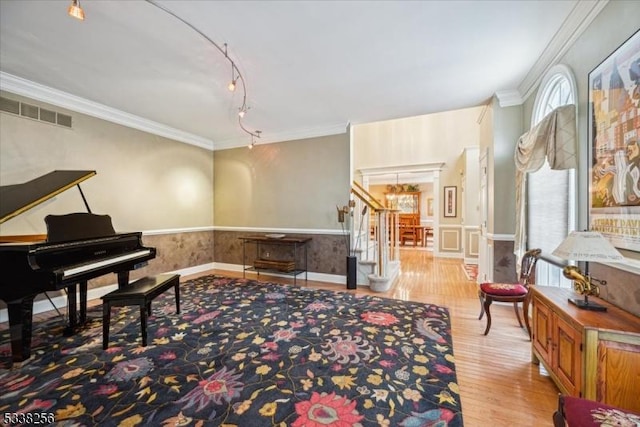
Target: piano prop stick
{"x": 78, "y": 247}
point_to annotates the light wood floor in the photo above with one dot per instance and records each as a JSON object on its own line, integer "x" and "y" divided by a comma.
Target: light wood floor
{"x": 499, "y": 385}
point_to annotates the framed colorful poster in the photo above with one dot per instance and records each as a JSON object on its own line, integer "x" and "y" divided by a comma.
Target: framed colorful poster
{"x": 614, "y": 147}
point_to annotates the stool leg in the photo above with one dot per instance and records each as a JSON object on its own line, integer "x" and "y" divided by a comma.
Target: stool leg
{"x": 481, "y": 305}
{"x": 177, "y": 292}
{"x": 515, "y": 308}
{"x": 143, "y": 323}
{"x": 487, "y": 304}
{"x": 106, "y": 318}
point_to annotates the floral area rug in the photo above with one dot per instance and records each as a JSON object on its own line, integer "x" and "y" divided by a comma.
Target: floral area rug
{"x": 246, "y": 353}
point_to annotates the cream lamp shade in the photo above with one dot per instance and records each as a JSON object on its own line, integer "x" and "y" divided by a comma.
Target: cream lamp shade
{"x": 587, "y": 246}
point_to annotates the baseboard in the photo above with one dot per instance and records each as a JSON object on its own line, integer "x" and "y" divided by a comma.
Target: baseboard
{"x": 320, "y": 277}
{"x": 60, "y": 301}
{"x": 457, "y": 255}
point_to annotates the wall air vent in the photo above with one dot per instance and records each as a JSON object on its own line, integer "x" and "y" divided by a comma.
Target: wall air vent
{"x": 34, "y": 112}
{"x": 29, "y": 110}
{"x": 64, "y": 120}
{"x": 9, "y": 105}
{"x": 47, "y": 116}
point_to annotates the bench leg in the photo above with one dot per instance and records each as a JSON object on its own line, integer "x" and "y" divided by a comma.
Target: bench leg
{"x": 106, "y": 318}
{"x": 177, "y": 292}
{"x": 143, "y": 323}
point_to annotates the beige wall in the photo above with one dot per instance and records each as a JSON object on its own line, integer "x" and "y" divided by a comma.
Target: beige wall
{"x": 486, "y": 146}
{"x": 508, "y": 128}
{"x": 291, "y": 184}
{"x": 439, "y": 137}
{"x": 145, "y": 182}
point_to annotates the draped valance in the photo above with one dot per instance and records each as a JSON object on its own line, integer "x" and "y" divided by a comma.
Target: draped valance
{"x": 553, "y": 139}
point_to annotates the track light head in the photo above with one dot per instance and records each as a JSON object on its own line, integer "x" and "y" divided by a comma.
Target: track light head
{"x": 75, "y": 10}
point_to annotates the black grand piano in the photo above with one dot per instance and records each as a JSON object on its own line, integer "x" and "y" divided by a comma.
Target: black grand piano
{"x": 77, "y": 247}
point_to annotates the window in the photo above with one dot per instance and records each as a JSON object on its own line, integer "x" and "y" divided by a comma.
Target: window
{"x": 551, "y": 194}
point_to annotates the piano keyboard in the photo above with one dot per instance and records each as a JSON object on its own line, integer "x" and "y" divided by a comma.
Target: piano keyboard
{"x": 105, "y": 262}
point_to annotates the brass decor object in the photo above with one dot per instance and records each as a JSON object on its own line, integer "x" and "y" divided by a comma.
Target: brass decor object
{"x": 586, "y": 246}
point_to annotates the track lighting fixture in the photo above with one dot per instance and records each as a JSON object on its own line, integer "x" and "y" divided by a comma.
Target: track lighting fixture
{"x": 75, "y": 10}
{"x": 236, "y": 76}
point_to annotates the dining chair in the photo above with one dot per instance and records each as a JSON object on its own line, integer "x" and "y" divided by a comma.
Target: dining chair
{"x": 409, "y": 231}
{"x": 510, "y": 292}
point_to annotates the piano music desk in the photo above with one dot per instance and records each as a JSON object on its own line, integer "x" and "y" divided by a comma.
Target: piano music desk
{"x": 140, "y": 293}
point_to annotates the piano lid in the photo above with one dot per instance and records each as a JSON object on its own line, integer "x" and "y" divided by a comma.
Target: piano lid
{"x": 18, "y": 198}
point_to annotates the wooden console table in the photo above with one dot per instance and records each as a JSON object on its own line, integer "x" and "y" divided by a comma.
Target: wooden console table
{"x": 589, "y": 354}
{"x": 287, "y": 265}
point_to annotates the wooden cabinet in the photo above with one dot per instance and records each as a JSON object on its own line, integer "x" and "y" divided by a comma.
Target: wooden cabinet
{"x": 559, "y": 345}
{"x": 618, "y": 370}
{"x": 594, "y": 355}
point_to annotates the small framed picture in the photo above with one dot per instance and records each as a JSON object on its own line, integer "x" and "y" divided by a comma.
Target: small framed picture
{"x": 450, "y": 201}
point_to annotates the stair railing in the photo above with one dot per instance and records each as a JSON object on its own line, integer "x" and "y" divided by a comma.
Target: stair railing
{"x": 377, "y": 237}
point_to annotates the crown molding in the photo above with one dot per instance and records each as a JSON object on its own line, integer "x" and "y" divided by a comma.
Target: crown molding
{"x": 39, "y": 92}
{"x": 331, "y": 129}
{"x": 509, "y": 98}
{"x": 583, "y": 13}
{"x": 383, "y": 170}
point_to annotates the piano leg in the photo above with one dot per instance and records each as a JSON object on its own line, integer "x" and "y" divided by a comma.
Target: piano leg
{"x": 123, "y": 278}
{"x": 83, "y": 302}
{"x": 72, "y": 309}
{"x": 72, "y": 304}
{"x": 20, "y": 321}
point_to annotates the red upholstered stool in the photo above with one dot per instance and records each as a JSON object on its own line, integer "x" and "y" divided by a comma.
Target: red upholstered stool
{"x": 577, "y": 412}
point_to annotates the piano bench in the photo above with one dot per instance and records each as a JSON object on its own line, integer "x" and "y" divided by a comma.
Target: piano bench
{"x": 140, "y": 293}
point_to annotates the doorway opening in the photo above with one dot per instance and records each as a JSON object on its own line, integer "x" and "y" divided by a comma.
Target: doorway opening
{"x": 414, "y": 191}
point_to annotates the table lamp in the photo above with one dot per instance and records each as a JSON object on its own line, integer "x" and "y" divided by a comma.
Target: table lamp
{"x": 586, "y": 246}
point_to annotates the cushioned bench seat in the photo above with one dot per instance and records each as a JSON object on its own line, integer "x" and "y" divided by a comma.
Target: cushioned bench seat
{"x": 140, "y": 293}
{"x": 578, "y": 412}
